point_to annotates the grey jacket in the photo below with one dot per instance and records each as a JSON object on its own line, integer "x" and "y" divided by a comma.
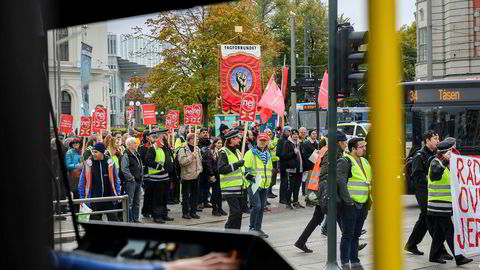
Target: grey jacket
{"x": 190, "y": 167}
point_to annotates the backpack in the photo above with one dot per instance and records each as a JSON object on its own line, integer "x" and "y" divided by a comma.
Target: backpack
{"x": 408, "y": 172}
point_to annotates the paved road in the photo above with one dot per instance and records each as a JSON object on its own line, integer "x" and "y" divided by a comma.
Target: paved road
{"x": 284, "y": 226}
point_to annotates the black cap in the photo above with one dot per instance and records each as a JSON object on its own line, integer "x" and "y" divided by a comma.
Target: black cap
{"x": 341, "y": 136}
{"x": 231, "y": 134}
{"x": 203, "y": 129}
{"x": 223, "y": 127}
{"x": 446, "y": 144}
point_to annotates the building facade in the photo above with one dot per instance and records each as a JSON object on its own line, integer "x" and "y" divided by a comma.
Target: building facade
{"x": 64, "y": 69}
{"x": 448, "y": 39}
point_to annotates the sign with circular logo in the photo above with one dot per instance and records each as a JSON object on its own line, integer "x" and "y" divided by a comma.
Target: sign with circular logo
{"x": 248, "y": 107}
{"x": 241, "y": 79}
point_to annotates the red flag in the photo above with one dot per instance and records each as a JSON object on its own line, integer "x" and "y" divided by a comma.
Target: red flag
{"x": 323, "y": 95}
{"x": 272, "y": 100}
{"x": 265, "y": 114}
{"x": 285, "y": 81}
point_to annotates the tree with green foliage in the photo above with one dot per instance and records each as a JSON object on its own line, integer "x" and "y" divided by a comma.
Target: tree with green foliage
{"x": 408, "y": 48}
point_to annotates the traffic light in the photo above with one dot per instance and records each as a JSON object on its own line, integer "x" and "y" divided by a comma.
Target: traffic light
{"x": 350, "y": 57}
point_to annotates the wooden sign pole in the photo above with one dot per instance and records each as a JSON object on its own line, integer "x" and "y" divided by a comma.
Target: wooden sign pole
{"x": 150, "y": 128}
{"x": 173, "y": 138}
{"x": 245, "y": 130}
{"x": 83, "y": 145}
{"x": 195, "y": 141}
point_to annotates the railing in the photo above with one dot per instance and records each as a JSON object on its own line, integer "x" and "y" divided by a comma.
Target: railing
{"x": 124, "y": 209}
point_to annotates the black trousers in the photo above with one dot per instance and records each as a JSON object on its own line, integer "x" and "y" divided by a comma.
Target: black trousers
{"x": 159, "y": 195}
{"x": 234, "y": 220}
{"x": 283, "y": 186}
{"x": 147, "y": 198}
{"x": 204, "y": 188}
{"x": 189, "y": 196}
{"x": 216, "y": 198}
{"x": 421, "y": 226}
{"x": 174, "y": 191}
{"x": 316, "y": 220}
{"x": 102, "y": 206}
{"x": 442, "y": 230}
{"x": 274, "y": 177}
{"x": 294, "y": 181}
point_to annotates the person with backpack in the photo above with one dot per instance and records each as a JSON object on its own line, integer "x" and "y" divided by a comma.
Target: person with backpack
{"x": 419, "y": 163}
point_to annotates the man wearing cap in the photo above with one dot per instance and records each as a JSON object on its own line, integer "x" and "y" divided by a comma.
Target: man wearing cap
{"x": 159, "y": 160}
{"x": 439, "y": 206}
{"x": 283, "y": 173}
{"x": 354, "y": 177}
{"x": 230, "y": 165}
{"x": 99, "y": 178}
{"x": 223, "y": 130}
{"x": 258, "y": 173}
{"x": 191, "y": 166}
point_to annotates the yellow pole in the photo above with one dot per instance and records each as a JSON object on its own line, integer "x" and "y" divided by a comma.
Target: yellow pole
{"x": 387, "y": 130}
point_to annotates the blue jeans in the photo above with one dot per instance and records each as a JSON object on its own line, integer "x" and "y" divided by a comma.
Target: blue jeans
{"x": 257, "y": 202}
{"x": 133, "y": 189}
{"x": 352, "y": 218}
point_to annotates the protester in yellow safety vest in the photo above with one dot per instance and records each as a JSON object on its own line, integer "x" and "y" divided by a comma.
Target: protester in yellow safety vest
{"x": 355, "y": 172}
{"x": 258, "y": 172}
{"x": 439, "y": 206}
{"x": 272, "y": 148}
{"x": 159, "y": 160}
{"x": 230, "y": 165}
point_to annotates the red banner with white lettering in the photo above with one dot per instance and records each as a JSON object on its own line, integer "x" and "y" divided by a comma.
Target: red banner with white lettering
{"x": 197, "y": 114}
{"x": 85, "y": 126}
{"x": 66, "y": 123}
{"x": 187, "y": 114}
{"x": 175, "y": 117}
{"x": 168, "y": 121}
{"x": 239, "y": 73}
{"x": 248, "y": 107}
{"x": 100, "y": 119}
{"x": 149, "y": 117}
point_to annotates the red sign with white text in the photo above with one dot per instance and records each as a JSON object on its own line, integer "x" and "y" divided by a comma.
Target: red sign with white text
{"x": 66, "y": 122}
{"x": 197, "y": 114}
{"x": 85, "y": 126}
{"x": 99, "y": 119}
{"x": 187, "y": 115}
{"x": 248, "y": 107}
{"x": 149, "y": 117}
{"x": 175, "y": 117}
{"x": 168, "y": 121}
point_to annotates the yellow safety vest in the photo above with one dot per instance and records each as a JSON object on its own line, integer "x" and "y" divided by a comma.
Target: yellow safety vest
{"x": 232, "y": 183}
{"x": 440, "y": 190}
{"x": 359, "y": 185}
{"x": 256, "y": 166}
{"x": 179, "y": 143}
{"x": 272, "y": 146}
{"x": 159, "y": 158}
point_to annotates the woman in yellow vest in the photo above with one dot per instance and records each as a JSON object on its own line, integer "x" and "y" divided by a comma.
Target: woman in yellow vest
{"x": 258, "y": 172}
{"x": 230, "y": 165}
{"x": 439, "y": 206}
{"x": 355, "y": 172}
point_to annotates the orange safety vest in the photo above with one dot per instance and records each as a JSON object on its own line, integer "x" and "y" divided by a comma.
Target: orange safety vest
{"x": 314, "y": 181}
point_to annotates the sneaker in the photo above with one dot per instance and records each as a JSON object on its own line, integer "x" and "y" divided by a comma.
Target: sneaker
{"x": 263, "y": 234}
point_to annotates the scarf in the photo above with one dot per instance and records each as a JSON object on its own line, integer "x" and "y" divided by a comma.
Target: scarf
{"x": 262, "y": 155}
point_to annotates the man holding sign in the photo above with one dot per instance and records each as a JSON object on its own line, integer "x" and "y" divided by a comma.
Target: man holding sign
{"x": 258, "y": 172}
{"x": 439, "y": 208}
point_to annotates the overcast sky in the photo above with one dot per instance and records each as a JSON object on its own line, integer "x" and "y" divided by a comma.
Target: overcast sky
{"x": 356, "y": 10}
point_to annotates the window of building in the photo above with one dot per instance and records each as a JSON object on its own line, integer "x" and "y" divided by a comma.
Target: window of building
{"x": 62, "y": 48}
{"x": 112, "y": 44}
{"x": 422, "y": 44}
{"x": 66, "y": 103}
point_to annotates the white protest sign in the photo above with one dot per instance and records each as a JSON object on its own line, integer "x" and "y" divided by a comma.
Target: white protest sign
{"x": 465, "y": 177}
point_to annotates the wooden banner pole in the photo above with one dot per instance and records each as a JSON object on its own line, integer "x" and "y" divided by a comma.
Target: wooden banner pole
{"x": 245, "y": 130}
{"x": 150, "y": 128}
{"x": 195, "y": 141}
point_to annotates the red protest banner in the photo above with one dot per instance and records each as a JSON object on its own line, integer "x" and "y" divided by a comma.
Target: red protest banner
{"x": 149, "y": 117}
{"x": 248, "y": 107}
{"x": 85, "y": 126}
{"x": 187, "y": 115}
{"x": 168, "y": 121}
{"x": 66, "y": 122}
{"x": 130, "y": 112}
{"x": 175, "y": 117}
{"x": 99, "y": 119}
{"x": 197, "y": 113}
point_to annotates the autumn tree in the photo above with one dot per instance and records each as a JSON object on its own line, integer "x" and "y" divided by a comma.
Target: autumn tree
{"x": 189, "y": 72}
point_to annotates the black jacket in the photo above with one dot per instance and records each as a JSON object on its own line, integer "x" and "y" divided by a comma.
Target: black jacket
{"x": 343, "y": 173}
{"x": 307, "y": 149}
{"x": 420, "y": 169}
{"x": 279, "y": 151}
{"x": 131, "y": 167}
{"x": 142, "y": 150}
{"x": 168, "y": 165}
{"x": 290, "y": 158}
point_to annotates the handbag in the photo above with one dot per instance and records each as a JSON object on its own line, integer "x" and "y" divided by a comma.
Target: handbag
{"x": 85, "y": 217}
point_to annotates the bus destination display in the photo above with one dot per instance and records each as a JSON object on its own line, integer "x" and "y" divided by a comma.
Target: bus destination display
{"x": 443, "y": 95}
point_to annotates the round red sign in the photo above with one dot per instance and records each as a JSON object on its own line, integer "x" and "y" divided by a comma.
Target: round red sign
{"x": 248, "y": 103}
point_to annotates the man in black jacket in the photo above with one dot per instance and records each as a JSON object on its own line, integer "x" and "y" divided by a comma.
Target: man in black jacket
{"x": 283, "y": 173}
{"x": 293, "y": 164}
{"x": 419, "y": 175}
{"x": 131, "y": 172}
{"x": 204, "y": 185}
{"x": 159, "y": 160}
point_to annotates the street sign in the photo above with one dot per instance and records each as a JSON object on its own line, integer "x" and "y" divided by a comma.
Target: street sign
{"x": 314, "y": 81}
